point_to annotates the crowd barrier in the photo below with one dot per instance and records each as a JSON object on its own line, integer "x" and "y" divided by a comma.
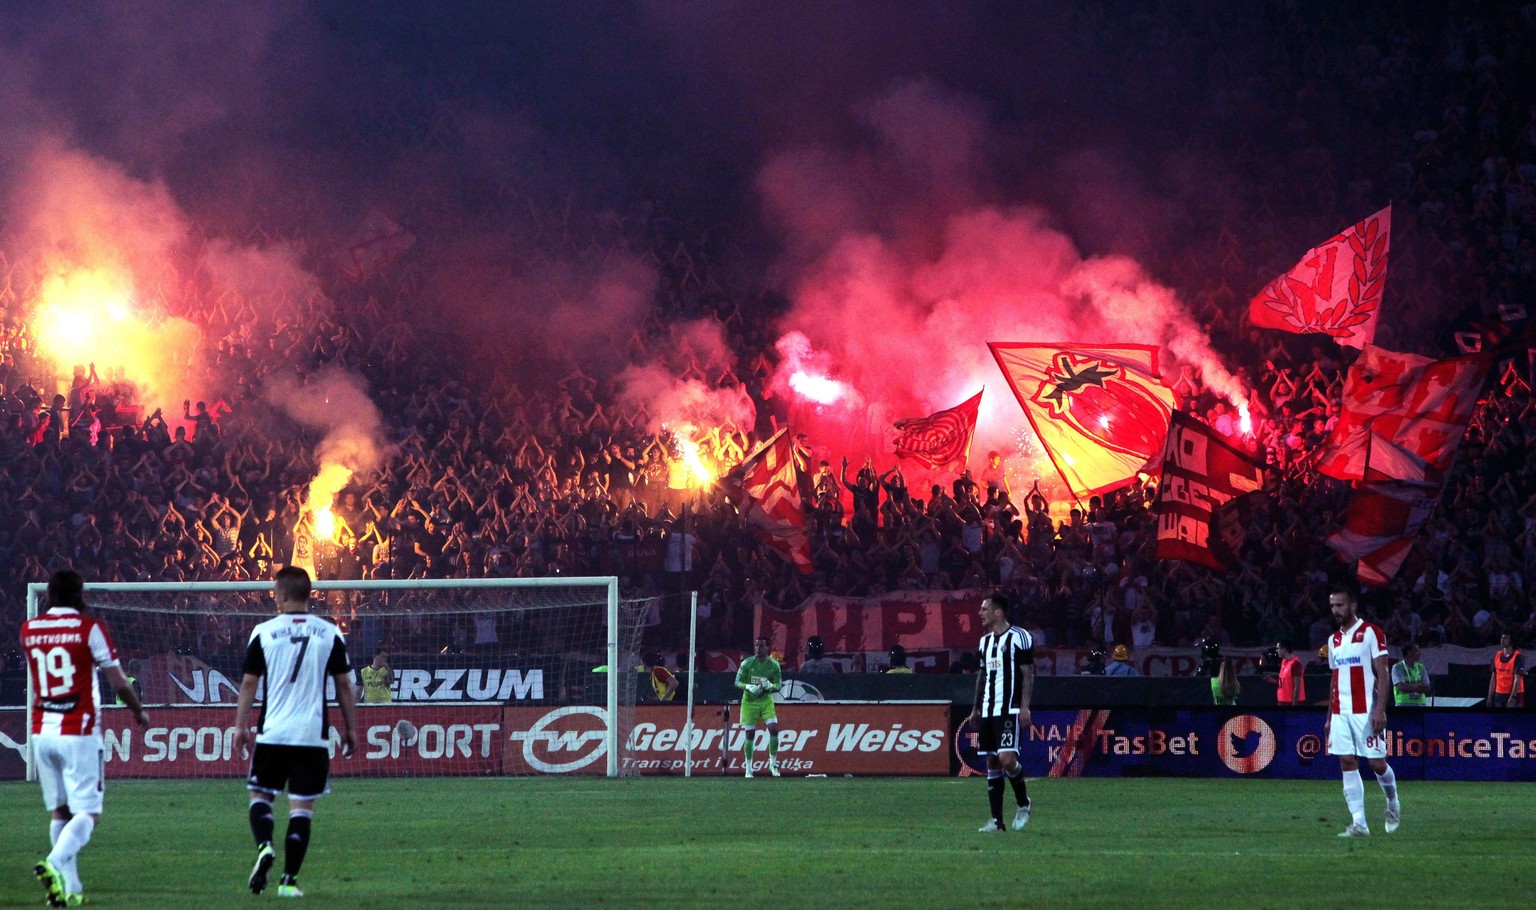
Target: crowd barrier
{"x": 834, "y": 738}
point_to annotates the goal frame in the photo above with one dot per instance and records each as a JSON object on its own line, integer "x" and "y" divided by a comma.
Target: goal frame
{"x": 37, "y": 591}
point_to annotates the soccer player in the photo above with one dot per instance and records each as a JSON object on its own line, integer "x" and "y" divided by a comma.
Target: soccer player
{"x": 377, "y": 677}
{"x": 1357, "y": 710}
{"x": 758, "y": 678}
{"x": 1000, "y": 710}
{"x": 294, "y": 652}
{"x": 64, "y": 648}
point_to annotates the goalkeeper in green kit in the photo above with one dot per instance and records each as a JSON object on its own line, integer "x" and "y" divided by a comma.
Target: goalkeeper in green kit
{"x": 758, "y": 679}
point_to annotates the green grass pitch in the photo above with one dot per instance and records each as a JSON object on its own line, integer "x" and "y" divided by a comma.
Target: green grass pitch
{"x": 797, "y": 842}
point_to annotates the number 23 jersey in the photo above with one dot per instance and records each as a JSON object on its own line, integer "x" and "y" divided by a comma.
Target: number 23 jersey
{"x": 294, "y": 654}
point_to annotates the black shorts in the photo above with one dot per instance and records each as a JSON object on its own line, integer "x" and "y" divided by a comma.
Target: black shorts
{"x": 304, "y": 771}
{"x": 997, "y": 734}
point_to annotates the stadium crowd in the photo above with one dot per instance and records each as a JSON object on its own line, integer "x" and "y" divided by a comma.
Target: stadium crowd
{"x": 494, "y": 475}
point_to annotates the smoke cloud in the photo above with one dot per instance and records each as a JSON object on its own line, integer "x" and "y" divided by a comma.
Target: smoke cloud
{"x": 334, "y": 404}
{"x": 899, "y": 275}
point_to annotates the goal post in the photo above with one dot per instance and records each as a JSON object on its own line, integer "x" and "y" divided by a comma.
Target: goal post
{"x": 490, "y": 676}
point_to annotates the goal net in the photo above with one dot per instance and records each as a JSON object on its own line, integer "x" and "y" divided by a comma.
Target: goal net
{"x": 486, "y": 676}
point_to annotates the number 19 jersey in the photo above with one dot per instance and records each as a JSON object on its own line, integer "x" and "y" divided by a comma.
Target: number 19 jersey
{"x": 294, "y": 654}
{"x": 63, "y": 649}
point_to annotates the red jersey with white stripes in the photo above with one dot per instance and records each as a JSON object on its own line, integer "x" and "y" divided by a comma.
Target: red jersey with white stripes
{"x": 1352, "y": 657}
{"x": 64, "y": 648}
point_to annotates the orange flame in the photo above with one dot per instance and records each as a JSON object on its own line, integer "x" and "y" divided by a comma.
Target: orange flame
{"x": 322, "y": 497}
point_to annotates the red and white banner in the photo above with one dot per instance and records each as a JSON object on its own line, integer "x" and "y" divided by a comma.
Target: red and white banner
{"x": 1201, "y": 471}
{"x": 1101, "y": 413}
{"x": 940, "y": 441}
{"x": 765, "y": 488}
{"x": 1380, "y": 525}
{"x": 1335, "y": 289}
{"x": 912, "y": 619}
{"x": 1421, "y": 406}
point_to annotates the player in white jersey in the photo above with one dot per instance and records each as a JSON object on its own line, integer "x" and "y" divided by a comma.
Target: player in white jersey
{"x": 1000, "y": 709}
{"x": 1357, "y": 710}
{"x": 294, "y": 653}
{"x": 64, "y": 648}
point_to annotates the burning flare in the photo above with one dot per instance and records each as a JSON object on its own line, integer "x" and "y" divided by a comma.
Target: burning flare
{"x": 322, "y": 497}
{"x": 819, "y": 389}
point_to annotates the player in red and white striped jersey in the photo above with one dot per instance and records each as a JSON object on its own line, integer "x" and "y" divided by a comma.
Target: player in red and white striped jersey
{"x": 1357, "y": 709}
{"x": 64, "y": 648}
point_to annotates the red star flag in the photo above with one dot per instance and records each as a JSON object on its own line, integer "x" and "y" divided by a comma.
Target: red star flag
{"x": 1335, "y": 289}
{"x": 940, "y": 441}
{"x": 1100, "y": 412}
{"x": 765, "y": 488}
{"x": 1201, "y": 472}
{"x": 1401, "y": 409}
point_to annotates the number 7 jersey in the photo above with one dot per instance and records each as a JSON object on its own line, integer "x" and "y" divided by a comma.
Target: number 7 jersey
{"x": 63, "y": 649}
{"x": 294, "y": 654}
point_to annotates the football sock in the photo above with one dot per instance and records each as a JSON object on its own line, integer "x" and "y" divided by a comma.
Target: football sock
{"x": 69, "y": 869}
{"x": 995, "y": 795}
{"x": 1388, "y": 781}
{"x": 1020, "y": 789}
{"x": 296, "y": 844}
{"x": 75, "y": 834}
{"x": 773, "y": 747}
{"x": 1354, "y": 795}
{"x": 73, "y": 838}
{"x": 261, "y": 821}
{"x": 749, "y": 746}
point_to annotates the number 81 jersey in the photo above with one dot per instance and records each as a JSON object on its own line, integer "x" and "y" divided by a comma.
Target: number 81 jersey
{"x": 294, "y": 654}
{"x": 63, "y": 649}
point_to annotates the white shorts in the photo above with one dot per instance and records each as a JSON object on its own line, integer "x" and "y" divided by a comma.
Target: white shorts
{"x": 71, "y": 770}
{"x": 1350, "y": 734}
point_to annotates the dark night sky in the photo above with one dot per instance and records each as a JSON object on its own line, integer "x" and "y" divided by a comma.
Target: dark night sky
{"x": 621, "y": 97}
{"x": 1139, "y": 129}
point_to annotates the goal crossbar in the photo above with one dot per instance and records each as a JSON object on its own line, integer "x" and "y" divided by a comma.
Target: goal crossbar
{"x": 37, "y": 593}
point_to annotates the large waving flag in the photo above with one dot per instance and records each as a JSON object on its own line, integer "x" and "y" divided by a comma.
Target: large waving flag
{"x": 1335, "y": 289}
{"x": 1201, "y": 472}
{"x": 1101, "y": 412}
{"x": 765, "y": 488}
{"x": 1399, "y": 410}
{"x": 1380, "y": 525}
{"x": 940, "y": 441}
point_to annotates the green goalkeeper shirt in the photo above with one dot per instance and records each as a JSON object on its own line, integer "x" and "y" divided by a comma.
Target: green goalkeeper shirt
{"x": 763, "y": 672}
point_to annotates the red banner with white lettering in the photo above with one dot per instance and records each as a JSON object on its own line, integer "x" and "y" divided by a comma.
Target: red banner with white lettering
{"x": 1335, "y": 289}
{"x": 1201, "y": 471}
{"x": 813, "y": 739}
{"x": 912, "y": 619}
{"x": 1100, "y": 412}
{"x": 1418, "y": 405}
{"x": 199, "y": 742}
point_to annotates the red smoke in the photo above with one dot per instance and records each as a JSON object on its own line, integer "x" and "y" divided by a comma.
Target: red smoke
{"x": 900, "y": 275}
